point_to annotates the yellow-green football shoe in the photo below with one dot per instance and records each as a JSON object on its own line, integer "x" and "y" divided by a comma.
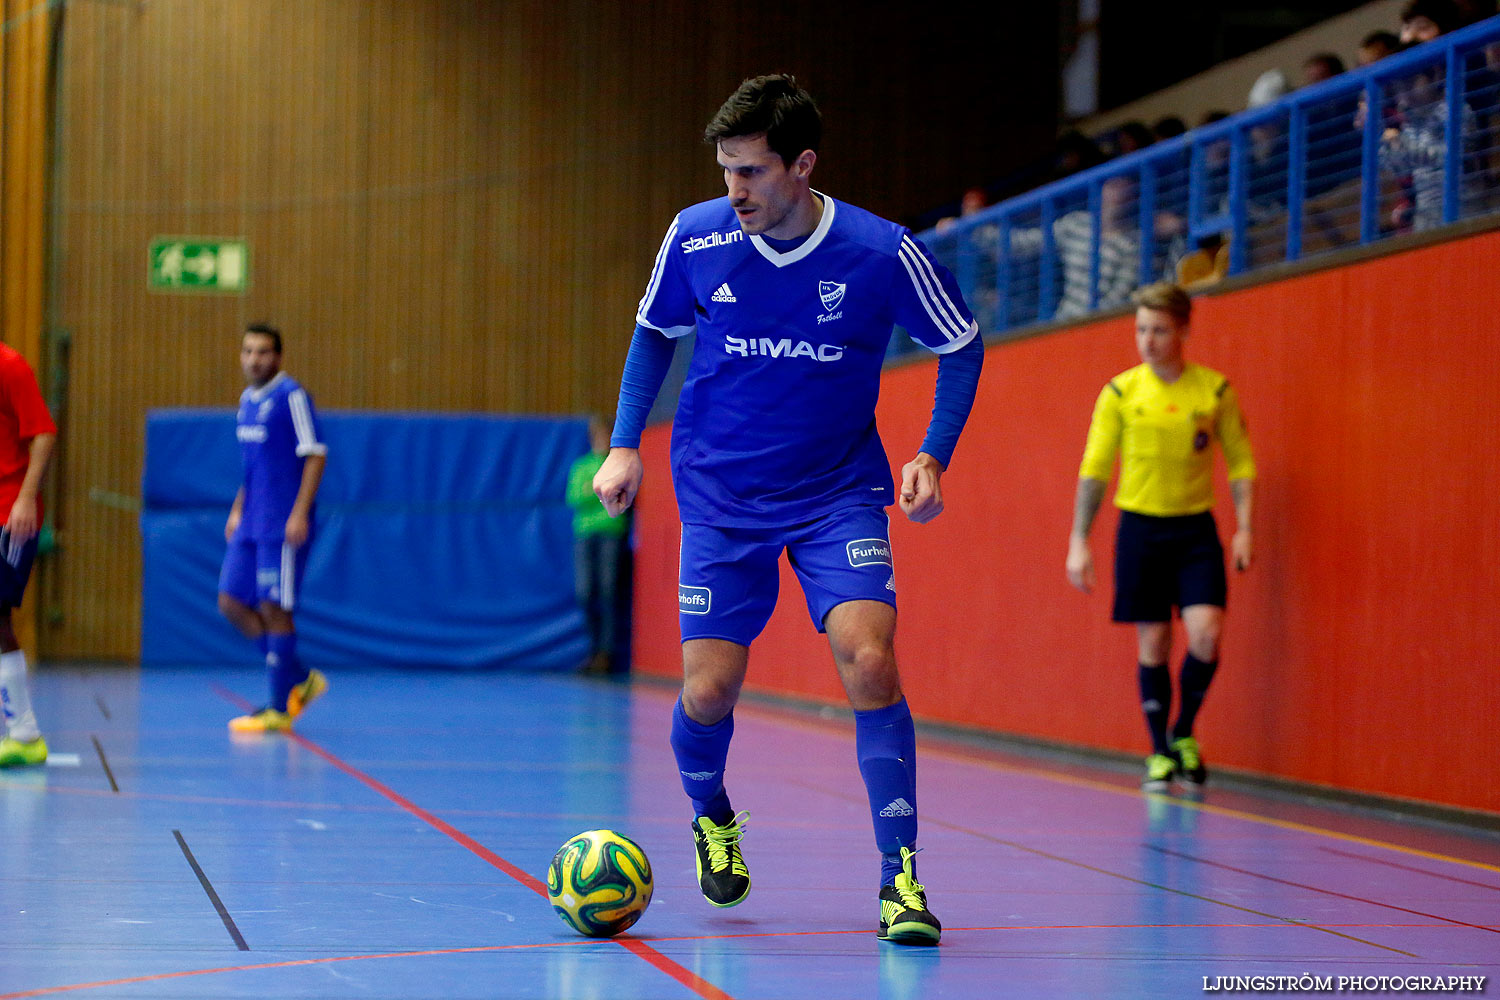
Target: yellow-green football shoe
{"x": 1160, "y": 770}
{"x": 18, "y": 753}
{"x": 264, "y": 720}
{"x": 722, "y": 874}
{"x": 904, "y": 916}
{"x": 1189, "y": 759}
{"x": 305, "y": 693}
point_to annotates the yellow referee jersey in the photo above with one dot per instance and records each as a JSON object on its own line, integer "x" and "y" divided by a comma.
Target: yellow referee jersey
{"x": 1162, "y": 433}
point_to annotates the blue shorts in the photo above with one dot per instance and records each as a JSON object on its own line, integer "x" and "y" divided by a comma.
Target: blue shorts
{"x": 268, "y": 571}
{"x": 15, "y": 568}
{"x": 1167, "y": 562}
{"x": 728, "y": 577}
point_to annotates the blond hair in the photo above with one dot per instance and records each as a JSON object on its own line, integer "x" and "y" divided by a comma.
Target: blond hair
{"x": 1166, "y": 297}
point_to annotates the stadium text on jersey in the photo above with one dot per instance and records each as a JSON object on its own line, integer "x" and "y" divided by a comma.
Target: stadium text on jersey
{"x": 712, "y": 240}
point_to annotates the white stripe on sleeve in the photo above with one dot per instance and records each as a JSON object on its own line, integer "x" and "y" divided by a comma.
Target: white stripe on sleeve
{"x": 307, "y": 437}
{"x": 930, "y": 290}
{"x": 288, "y": 578}
{"x": 656, "y": 273}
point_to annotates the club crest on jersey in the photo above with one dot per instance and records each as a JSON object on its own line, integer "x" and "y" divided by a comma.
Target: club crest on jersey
{"x": 265, "y": 409}
{"x": 832, "y": 294}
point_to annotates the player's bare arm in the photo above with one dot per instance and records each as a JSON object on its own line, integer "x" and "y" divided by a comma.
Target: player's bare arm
{"x": 1242, "y": 548}
{"x": 297, "y": 526}
{"x": 23, "y": 520}
{"x": 921, "y": 488}
{"x": 1080, "y": 563}
{"x": 236, "y": 512}
{"x": 619, "y": 480}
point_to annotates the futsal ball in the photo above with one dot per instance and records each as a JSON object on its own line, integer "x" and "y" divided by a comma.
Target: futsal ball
{"x": 599, "y": 883}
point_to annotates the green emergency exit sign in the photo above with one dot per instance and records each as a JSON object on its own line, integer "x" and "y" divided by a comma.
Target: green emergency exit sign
{"x": 198, "y": 264}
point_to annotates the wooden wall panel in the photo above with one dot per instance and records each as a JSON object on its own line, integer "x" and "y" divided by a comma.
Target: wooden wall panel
{"x": 451, "y": 204}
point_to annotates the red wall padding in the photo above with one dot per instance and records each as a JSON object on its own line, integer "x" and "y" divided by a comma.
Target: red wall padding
{"x": 1363, "y": 649}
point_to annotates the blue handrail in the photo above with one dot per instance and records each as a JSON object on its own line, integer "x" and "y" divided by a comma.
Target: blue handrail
{"x": 1411, "y": 142}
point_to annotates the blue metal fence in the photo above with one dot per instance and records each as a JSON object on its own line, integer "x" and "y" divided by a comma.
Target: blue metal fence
{"x": 1407, "y": 144}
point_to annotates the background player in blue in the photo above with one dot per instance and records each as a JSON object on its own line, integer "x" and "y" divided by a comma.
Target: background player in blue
{"x": 269, "y": 529}
{"x": 774, "y": 447}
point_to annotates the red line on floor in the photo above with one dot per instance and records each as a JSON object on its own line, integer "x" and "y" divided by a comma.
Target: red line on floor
{"x": 159, "y": 977}
{"x": 635, "y": 946}
{"x": 685, "y": 976}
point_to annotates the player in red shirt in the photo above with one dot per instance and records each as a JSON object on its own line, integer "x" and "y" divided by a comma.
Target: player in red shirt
{"x": 27, "y": 435}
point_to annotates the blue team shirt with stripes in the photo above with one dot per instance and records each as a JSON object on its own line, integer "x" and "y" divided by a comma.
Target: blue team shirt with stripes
{"x": 776, "y": 421}
{"x": 277, "y": 428}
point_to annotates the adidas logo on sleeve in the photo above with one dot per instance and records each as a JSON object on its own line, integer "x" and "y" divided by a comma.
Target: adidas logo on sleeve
{"x": 723, "y": 294}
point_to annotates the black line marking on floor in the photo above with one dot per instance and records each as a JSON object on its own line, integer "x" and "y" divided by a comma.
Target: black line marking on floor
{"x": 105, "y": 761}
{"x": 103, "y": 708}
{"x": 1312, "y": 888}
{"x": 234, "y": 932}
{"x": 1410, "y": 868}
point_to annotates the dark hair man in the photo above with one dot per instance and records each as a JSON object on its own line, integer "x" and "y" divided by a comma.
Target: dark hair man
{"x": 270, "y": 526}
{"x": 774, "y": 448}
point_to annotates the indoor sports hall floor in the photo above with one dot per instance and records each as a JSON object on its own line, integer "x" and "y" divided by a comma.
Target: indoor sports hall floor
{"x": 393, "y": 849}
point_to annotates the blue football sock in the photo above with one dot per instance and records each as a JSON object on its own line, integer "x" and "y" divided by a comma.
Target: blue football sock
{"x": 283, "y": 667}
{"x": 701, "y": 754}
{"x": 885, "y": 742}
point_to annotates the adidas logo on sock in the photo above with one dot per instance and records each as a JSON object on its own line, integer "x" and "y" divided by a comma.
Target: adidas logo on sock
{"x": 700, "y": 775}
{"x": 724, "y": 294}
{"x": 898, "y": 808}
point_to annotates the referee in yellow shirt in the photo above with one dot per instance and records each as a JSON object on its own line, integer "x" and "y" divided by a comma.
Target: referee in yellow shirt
{"x": 1160, "y": 417}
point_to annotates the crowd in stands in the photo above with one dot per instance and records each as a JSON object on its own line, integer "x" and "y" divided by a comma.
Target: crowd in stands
{"x": 1412, "y": 151}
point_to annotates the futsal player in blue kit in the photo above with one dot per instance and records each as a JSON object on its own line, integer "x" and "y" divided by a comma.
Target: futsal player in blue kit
{"x": 269, "y": 529}
{"x": 793, "y": 296}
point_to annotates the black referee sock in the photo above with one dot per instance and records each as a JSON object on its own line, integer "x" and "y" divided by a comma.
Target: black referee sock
{"x": 1196, "y": 676}
{"x": 1156, "y": 703}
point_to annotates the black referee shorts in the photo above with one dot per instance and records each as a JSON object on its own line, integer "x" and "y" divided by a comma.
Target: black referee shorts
{"x": 1167, "y": 562}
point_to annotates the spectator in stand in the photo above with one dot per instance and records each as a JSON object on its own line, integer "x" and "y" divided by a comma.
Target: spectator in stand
{"x": 1266, "y": 180}
{"x": 1172, "y": 182}
{"x": 1413, "y": 143}
{"x": 1075, "y": 152}
{"x": 1333, "y": 155}
{"x": 1169, "y": 127}
{"x": 1320, "y": 67}
{"x": 1473, "y": 11}
{"x": 1270, "y": 86}
{"x": 1073, "y": 235}
{"x": 975, "y": 199}
{"x": 1424, "y": 20}
{"x": 984, "y": 239}
{"x": 1376, "y": 46}
{"x": 1132, "y": 137}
